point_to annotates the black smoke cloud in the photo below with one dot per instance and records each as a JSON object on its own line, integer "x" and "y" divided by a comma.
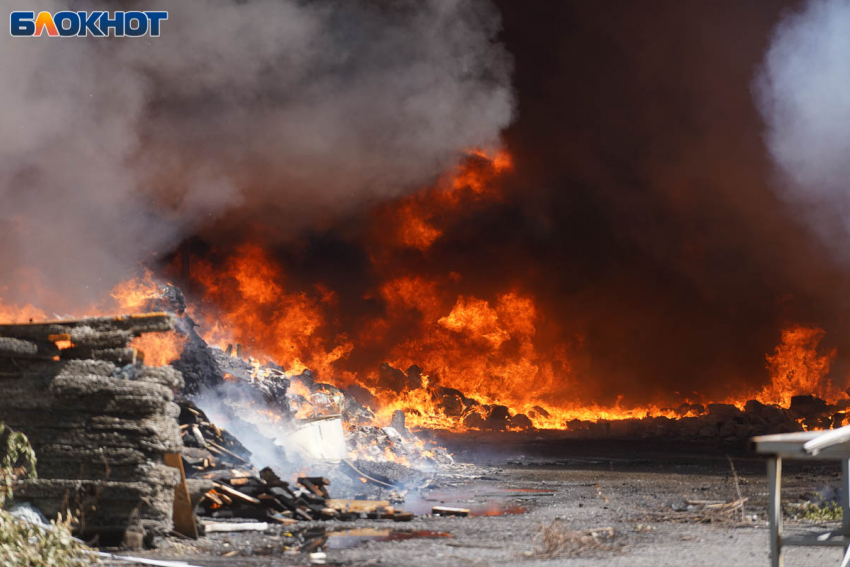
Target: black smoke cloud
{"x": 642, "y": 213}
{"x": 646, "y": 211}
{"x": 274, "y": 112}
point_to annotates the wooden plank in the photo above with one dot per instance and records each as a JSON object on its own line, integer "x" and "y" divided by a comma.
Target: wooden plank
{"x": 318, "y": 490}
{"x": 213, "y": 497}
{"x": 827, "y": 439}
{"x": 17, "y": 348}
{"x": 184, "y": 516}
{"x": 774, "y": 509}
{"x": 403, "y": 517}
{"x": 120, "y": 356}
{"x": 449, "y": 511}
{"x": 317, "y": 480}
{"x": 271, "y": 478}
{"x": 356, "y": 473}
{"x": 222, "y": 451}
{"x": 222, "y": 527}
{"x": 235, "y": 494}
{"x": 138, "y": 323}
{"x": 345, "y": 505}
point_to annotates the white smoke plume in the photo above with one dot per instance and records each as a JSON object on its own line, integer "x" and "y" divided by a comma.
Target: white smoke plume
{"x": 275, "y": 111}
{"x": 803, "y": 93}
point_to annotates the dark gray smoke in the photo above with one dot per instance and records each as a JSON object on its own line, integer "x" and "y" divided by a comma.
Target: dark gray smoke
{"x": 803, "y": 91}
{"x": 114, "y": 149}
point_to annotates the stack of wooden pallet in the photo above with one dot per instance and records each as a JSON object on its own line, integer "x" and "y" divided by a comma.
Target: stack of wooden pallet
{"x": 99, "y": 420}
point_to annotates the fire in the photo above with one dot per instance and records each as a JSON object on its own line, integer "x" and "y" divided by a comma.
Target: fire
{"x": 136, "y": 294}
{"x": 797, "y": 368}
{"x": 413, "y": 221}
{"x": 254, "y": 308}
{"x": 14, "y": 314}
{"x": 129, "y": 296}
{"x": 160, "y": 348}
{"x": 454, "y": 355}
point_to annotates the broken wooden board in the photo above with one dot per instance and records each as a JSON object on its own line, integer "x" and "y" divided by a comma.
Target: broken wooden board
{"x": 235, "y": 494}
{"x": 184, "y": 516}
{"x": 345, "y": 505}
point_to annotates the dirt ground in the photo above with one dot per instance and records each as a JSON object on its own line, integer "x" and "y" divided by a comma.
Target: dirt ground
{"x": 562, "y": 502}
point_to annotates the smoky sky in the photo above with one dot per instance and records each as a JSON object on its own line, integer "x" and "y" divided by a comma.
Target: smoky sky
{"x": 274, "y": 112}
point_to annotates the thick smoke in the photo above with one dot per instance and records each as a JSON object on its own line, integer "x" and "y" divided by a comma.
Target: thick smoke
{"x": 803, "y": 95}
{"x": 114, "y": 149}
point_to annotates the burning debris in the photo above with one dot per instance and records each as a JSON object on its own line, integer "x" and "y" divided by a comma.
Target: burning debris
{"x": 107, "y": 455}
{"x": 247, "y": 445}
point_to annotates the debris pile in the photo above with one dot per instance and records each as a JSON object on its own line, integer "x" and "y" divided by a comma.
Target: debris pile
{"x": 99, "y": 421}
{"x": 293, "y": 401}
{"x": 218, "y": 466}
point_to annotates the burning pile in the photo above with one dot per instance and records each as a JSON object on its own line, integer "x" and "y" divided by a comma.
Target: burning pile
{"x": 425, "y": 340}
{"x": 219, "y": 467}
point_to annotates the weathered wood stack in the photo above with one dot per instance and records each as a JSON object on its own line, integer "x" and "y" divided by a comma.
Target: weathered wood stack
{"x": 98, "y": 419}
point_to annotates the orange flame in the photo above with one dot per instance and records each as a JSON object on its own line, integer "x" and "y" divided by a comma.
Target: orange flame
{"x": 797, "y": 368}
{"x": 474, "y": 350}
{"x": 160, "y": 348}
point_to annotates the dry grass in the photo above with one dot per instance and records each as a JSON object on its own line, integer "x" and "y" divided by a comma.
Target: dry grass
{"x": 555, "y": 540}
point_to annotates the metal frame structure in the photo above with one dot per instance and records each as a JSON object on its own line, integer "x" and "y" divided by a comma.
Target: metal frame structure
{"x": 790, "y": 446}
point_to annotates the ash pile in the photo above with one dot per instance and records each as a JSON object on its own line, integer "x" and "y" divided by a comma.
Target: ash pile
{"x": 99, "y": 420}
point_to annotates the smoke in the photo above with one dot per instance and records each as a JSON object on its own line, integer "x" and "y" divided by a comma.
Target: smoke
{"x": 274, "y": 112}
{"x": 802, "y": 94}
{"x": 235, "y": 407}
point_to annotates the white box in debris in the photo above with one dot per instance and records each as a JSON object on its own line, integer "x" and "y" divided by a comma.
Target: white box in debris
{"x": 319, "y": 438}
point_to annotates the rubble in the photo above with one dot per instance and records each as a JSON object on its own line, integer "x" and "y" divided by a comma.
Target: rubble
{"x": 236, "y": 489}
